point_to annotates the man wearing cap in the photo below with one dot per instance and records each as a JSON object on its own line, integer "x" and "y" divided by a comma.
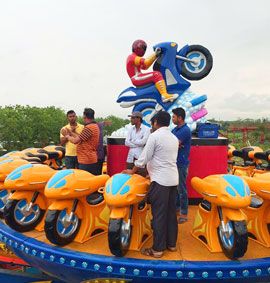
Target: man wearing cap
{"x": 136, "y": 139}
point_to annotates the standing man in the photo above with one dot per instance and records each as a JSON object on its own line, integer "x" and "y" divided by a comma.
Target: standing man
{"x": 183, "y": 133}
{"x": 101, "y": 152}
{"x": 159, "y": 154}
{"x": 71, "y": 160}
{"x": 136, "y": 139}
{"x": 87, "y": 142}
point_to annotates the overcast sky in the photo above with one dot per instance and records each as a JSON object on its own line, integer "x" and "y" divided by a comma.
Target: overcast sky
{"x": 71, "y": 54}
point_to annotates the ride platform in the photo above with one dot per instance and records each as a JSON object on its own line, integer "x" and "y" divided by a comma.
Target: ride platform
{"x": 92, "y": 261}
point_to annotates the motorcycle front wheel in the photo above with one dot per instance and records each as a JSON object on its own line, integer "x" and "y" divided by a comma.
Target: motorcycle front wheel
{"x": 60, "y": 228}
{"x": 19, "y": 217}
{"x": 234, "y": 242}
{"x": 119, "y": 236}
{"x": 203, "y": 63}
{"x": 4, "y": 195}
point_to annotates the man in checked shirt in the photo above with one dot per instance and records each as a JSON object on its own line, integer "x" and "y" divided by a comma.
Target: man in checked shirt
{"x": 87, "y": 142}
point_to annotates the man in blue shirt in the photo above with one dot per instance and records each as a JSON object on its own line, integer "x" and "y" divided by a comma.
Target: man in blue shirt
{"x": 183, "y": 133}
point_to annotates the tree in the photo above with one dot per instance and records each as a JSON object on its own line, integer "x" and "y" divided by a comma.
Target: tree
{"x": 25, "y": 126}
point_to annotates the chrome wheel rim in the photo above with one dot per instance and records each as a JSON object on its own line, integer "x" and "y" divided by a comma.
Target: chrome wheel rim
{"x": 25, "y": 214}
{"x": 199, "y": 62}
{"x": 4, "y": 195}
{"x": 227, "y": 236}
{"x": 125, "y": 234}
{"x": 66, "y": 224}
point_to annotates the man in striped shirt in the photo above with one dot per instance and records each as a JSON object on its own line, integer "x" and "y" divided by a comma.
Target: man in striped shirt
{"x": 87, "y": 142}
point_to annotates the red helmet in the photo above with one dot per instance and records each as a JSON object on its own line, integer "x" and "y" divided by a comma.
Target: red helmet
{"x": 139, "y": 47}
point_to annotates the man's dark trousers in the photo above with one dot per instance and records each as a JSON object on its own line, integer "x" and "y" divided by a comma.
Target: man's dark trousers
{"x": 164, "y": 223}
{"x": 91, "y": 168}
{"x": 71, "y": 162}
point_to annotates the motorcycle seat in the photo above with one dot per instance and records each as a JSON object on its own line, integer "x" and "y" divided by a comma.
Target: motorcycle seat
{"x": 62, "y": 149}
{"x": 205, "y": 204}
{"x": 95, "y": 198}
{"x": 51, "y": 154}
{"x": 31, "y": 159}
{"x": 263, "y": 155}
{"x": 42, "y": 157}
{"x": 243, "y": 153}
{"x": 55, "y": 149}
{"x": 238, "y": 153}
{"x": 256, "y": 202}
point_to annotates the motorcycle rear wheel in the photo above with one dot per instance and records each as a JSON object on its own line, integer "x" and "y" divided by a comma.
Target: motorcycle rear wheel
{"x": 18, "y": 219}
{"x": 234, "y": 246}
{"x": 119, "y": 238}
{"x": 55, "y": 222}
{"x": 195, "y": 72}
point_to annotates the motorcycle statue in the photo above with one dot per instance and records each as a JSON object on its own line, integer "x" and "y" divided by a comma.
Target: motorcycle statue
{"x": 193, "y": 62}
{"x": 26, "y": 207}
{"x": 220, "y": 224}
{"x": 6, "y": 167}
{"x": 248, "y": 155}
{"x": 258, "y": 213}
{"x": 77, "y": 210}
{"x": 129, "y": 224}
{"x": 53, "y": 155}
{"x": 50, "y": 155}
{"x": 265, "y": 165}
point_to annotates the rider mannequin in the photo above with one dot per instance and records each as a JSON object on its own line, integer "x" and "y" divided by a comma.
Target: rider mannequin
{"x": 136, "y": 63}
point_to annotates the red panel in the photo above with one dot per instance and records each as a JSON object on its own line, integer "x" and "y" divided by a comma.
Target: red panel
{"x": 12, "y": 260}
{"x": 204, "y": 161}
{"x": 116, "y": 158}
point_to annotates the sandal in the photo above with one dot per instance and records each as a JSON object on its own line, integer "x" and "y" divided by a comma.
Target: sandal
{"x": 182, "y": 219}
{"x": 151, "y": 252}
{"x": 172, "y": 249}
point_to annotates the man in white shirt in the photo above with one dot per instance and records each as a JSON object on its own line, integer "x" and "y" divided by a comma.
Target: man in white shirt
{"x": 160, "y": 155}
{"x": 136, "y": 139}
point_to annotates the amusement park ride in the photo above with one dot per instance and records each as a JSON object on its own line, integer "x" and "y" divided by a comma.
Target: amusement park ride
{"x": 72, "y": 226}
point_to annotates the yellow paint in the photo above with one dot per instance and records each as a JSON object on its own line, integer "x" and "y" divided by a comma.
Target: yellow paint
{"x": 5, "y": 250}
{"x": 173, "y": 44}
{"x": 137, "y": 60}
{"x": 149, "y": 60}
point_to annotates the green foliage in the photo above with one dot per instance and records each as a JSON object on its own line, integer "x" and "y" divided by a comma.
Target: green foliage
{"x": 253, "y": 137}
{"x": 25, "y": 126}
{"x": 116, "y": 123}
